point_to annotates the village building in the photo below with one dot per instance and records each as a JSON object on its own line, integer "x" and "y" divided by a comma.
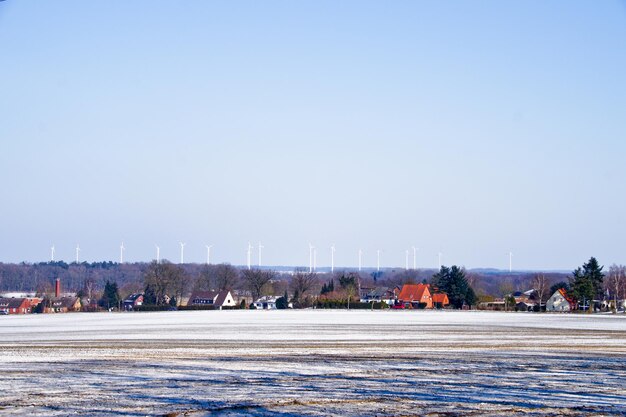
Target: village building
{"x": 496, "y": 305}
{"x": 267, "y": 302}
{"x": 560, "y": 301}
{"x": 217, "y": 299}
{"x": 17, "y": 305}
{"x": 415, "y": 296}
{"x": 242, "y": 296}
{"x": 381, "y": 294}
{"x": 440, "y": 300}
{"x": 525, "y": 306}
{"x": 61, "y": 304}
{"x": 132, "y": 301}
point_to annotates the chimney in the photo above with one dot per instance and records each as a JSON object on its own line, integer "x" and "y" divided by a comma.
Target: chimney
{"x": 57, "y": 288}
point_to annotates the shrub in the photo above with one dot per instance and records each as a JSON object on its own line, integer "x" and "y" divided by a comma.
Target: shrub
{"x": 198, "y": 307}
{"x": 150, "y": 307}
{"x": 343, "y": 304}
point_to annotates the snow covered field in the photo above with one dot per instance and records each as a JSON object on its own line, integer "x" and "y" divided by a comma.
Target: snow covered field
{"x": 313, "y": 362}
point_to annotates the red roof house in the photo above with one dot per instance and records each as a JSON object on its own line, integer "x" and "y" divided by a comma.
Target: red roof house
{"x": 440, "y": 300}
{"x": 15, "y": 305}
{"x": 414, "y": 294}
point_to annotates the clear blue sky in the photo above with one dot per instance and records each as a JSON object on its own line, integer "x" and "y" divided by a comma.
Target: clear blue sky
{"x": 462, "y": 127}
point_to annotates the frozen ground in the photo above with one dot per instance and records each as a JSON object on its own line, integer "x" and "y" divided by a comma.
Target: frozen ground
{"x": 312, "y": 363}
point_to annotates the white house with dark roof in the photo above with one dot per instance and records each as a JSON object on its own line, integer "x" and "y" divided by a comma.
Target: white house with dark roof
{"x": 217, "y": 299}
{"x": 267, "y": 302}
{"x": 560, "y": 301}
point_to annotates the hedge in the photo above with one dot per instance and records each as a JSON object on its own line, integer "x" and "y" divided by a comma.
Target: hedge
{"x": 198, "y": 307}
{"x": 152, "y": 308}
{"x": 337, "y": 304}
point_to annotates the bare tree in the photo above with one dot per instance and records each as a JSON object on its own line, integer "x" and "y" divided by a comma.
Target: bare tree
{"x": 226, "y": 277}
{"x": 541, "y": 286}
{"x": 204, "y": 281}
{"x": 177, "y": 282}
{"x": 164, "y": 280}
{"x": 616, "y": 282}
{"x": 351, "y": 290}
{"x": 301, "y": 283}
{"x": 256, "y": 279}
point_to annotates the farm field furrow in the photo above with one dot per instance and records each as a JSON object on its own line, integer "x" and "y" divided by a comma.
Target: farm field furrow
{"x": 314, "y": 363}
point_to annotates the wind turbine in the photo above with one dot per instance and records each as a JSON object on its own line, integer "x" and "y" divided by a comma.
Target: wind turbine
{"x": 122, "y": 249}
{"x": 52, "y": 254}
{"x": 260, "y": 248}
{"x": 415, "y": 257}
{"x": 377, "y": 260}
{"x": 158, "y": 259}
{"x": 250, "y": 247}
{"x": 510, "y": 262}
{"x": 332, "y": 258}
{"x": 208, "y": 254}
{"x": 439, "y": 257}
{"x": 314, "y": 259}
{"x": 406, "y": 260}
{"x": 360, "y": 258}
{"x": 182, "y": 252}
{"x": 311, "y": 247}
{"x": 77, "y": 250}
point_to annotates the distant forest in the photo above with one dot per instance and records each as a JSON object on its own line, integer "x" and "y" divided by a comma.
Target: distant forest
{"x": 130, "y": 277}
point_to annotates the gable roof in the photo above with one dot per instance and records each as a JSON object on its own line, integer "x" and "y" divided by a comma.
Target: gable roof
{"x": 221, "y": 297}
{"x": 14, "y": 303}
{"x": 203, "y": 295}
{"x": 563, "y": 294}
{"x": 217, "y": 297}
{"x": 414, "y": 292}
{"x": 380, "y": 292}
{"x": 64, "y": 302}
{"x": 441, "y": 298}
{"x": 133, "y": 297}
{"x": 267, "y": 299}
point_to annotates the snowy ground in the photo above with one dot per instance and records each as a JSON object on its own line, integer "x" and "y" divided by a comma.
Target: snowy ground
{"x": 312, "y": 363}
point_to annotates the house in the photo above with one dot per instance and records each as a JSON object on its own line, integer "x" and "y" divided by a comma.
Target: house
{"x": 440, "y": 300}
{"x": 415, "y": 296}
{"x": 560, "y": 301}
{"x": 132, "y": 301}
{"x": 61, "y": 305}
{"x": 242, "y": 295}
{"x": 267, "y": 302}
{"x": 380, "y": 294}
{"x": 496, "y": 305}
{"x": 525, "y": 306}
{"x": 524, "y": 296}
{"x": 217, "y": 299}
{"x": 364, "y": 291}
{"x": 15, "y": 305}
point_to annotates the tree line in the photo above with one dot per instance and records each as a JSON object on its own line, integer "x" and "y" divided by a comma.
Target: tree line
{"x": 166, "y": 282}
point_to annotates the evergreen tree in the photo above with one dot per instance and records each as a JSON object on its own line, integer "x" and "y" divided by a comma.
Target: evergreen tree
{"x": 282, "y": 302}
{"x": 452, "y": 281}
{"x": 327, "y": 287}
{"x": 586, "y": 283}
{"x": 347, "y": 281}
{"x": 470, "y": 297}
{"x": 110, "y": 297}
{"x": 149, "y": 296}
